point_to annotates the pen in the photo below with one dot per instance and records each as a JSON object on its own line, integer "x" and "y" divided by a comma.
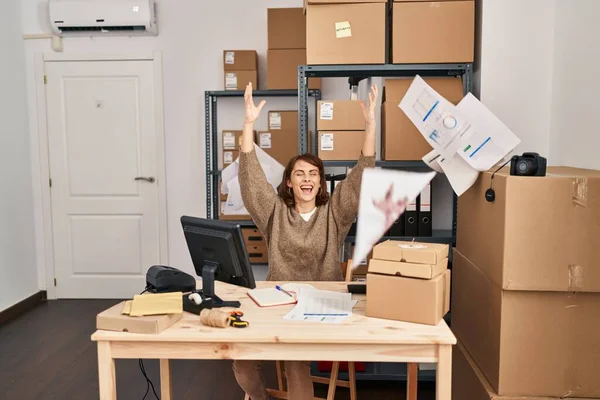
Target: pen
{"x": 284, "y": 291}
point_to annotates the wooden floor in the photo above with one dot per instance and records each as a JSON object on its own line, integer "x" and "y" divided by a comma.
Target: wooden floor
{"x": 47, "y": 354}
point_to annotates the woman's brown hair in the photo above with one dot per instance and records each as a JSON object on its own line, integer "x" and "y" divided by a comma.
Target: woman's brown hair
{"x": 287, "y": 194}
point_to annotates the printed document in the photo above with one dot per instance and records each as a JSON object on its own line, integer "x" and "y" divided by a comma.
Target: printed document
{"x": 384, "y": 196}
{"x": 321, "y": 306}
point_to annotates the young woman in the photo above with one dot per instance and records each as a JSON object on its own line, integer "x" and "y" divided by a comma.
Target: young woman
{"x": 304, "y": 228}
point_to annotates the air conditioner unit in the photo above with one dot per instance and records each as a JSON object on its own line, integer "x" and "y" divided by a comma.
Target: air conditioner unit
{"x": 103, "y": 17}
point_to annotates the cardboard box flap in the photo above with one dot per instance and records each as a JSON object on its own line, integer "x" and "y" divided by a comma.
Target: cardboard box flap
{"x": 408, "y": 270}
{"x": 411, "y": 252}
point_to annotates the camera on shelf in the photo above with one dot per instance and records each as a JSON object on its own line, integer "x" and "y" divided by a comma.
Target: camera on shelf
{"x": 528, "y": 164}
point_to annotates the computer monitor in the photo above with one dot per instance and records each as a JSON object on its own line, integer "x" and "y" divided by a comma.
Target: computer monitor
{"x": 218, "y": 252}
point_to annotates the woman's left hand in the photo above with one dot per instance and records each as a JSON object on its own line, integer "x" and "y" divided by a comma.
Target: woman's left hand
{"x": 369, "y": 111}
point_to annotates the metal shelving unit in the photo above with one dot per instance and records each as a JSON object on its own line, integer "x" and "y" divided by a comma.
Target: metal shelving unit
{"x": 212, "y": 132}
{"x": 357, "y": 72}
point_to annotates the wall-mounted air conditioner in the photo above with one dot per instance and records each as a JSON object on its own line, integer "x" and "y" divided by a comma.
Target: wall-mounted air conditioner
{"x": 102, "y": 17}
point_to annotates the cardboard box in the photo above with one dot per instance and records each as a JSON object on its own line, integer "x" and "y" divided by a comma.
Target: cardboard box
{"x": 113, "y": 320}
{"x": 237, "y": 80}
{"x": 407, "y": 269}
{"x": 232, "y": 217}
{"x": 411, "y": 252}
{"x": 340, "y": 145}
{"x": 229, "y": 156}
{"x": 433, "y": 32}
{"x": 286, "y": 28}
{"x": 527, "y": 343}
{"x": 282, "y": 69}
{"x": 240, "y": 60}
{"x": 400, "y": 139}
{"x": 257, "y": 253}
{"x": 422, "y": 301}
{"x": 283, "y": 120}
{"x": 346, "y": 34}
{"x": 340, "y": 115}
{"x": 282, "y": 145}
{"x": 253, "y": 236}
{"x": 538, "y": 234}
{"x": 231, "y": 140}
{"x": 468, "y": 382}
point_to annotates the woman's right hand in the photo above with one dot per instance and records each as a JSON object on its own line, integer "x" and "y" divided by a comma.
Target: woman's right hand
{"x": 252, "y": 111}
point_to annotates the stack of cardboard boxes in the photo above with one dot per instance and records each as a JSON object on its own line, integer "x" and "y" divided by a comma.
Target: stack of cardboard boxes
{"x": 400, "y": 139}
{"x": 341, "y": 129}
{"x": 281, "y": 140}
{"x": 239, "y": 68}
{"x": 287, "y": 48}
{"x": 230, "y": 143}
{"x": 526, "y": 287}
{"x": 403, "y": 32}
{"x": 256, "y": 246}
{"x": 408, "y": 281}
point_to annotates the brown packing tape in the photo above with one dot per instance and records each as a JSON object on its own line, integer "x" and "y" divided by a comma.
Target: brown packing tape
{"x": 575, "y": 278}
{"x": 580, "y": 191}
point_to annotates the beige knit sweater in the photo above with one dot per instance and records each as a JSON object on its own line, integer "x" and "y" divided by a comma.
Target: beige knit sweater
{"x": 301, "y": 250}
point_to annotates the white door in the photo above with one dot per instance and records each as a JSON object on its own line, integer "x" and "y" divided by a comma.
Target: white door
{"x": 104, "y": 162}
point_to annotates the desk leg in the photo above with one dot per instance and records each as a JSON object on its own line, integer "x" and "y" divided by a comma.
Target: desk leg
{"x": 166, "y": 391}
{"x": 444, "y": 373}
{"x": 412, "y": 381}
{"x": 106, "y": 372}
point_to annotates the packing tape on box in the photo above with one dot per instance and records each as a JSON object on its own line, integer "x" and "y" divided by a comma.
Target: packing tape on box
{"x": 575, "y": 278}
{"x": 580, "y": 192}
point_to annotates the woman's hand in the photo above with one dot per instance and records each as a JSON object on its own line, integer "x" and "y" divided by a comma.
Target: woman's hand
{"x": 369, "y": 112}
{"x": 252, "y": 111}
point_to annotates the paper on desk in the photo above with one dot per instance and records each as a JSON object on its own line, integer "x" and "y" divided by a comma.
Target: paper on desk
{"x": 321, "y": 306}
{"x": 384, "y": 195}
{"x": 272, "y": 169}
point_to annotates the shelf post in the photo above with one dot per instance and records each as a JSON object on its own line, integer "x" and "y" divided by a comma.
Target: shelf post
{"x": 302, "y": 110}
{"x": 214, "y": 150}
{"x": 207, "y": 150}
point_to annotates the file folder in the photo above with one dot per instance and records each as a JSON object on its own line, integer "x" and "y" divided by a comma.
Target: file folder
{"x": 411, "y": 223}
{"x": 425, "y": 212}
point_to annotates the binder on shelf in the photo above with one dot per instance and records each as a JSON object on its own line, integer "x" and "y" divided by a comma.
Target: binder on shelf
{"x": 397, "y": 229}
{"x": 411, "y": 225}
{"x": 424, "y": 212}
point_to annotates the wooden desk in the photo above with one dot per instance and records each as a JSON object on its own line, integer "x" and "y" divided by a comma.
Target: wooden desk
{"x": 269, "y": 337}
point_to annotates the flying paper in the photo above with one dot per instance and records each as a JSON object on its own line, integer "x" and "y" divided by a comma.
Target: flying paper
{"x": 272, "y": 169}
{"x": 466, "y": 139}
{"x": 384, "y": 196}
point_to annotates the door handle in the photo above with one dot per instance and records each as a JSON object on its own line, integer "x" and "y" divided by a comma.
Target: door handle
{"x": 143, "y": 178}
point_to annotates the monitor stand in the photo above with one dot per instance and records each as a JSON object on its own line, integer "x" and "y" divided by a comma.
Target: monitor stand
{"x": 208, "y": 288}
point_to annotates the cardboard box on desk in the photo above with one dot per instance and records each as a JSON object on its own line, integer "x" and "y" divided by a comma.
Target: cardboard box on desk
{"x": 113, "y": 320}
{"x": 400, "y": 139}
{"x": 420, "y": 31}
{"x": 409, "y": 259}
{"x": 346, "y": 33}
{"x": 527, "y": 342}
{"x": 422, "y": 301}
{"x": 539, "y": 232}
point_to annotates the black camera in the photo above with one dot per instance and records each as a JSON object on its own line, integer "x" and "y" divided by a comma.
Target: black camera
{"x": 528, "y": 164}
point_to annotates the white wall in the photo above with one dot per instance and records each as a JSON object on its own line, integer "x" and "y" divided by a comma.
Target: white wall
{"x": 18, "y": 274}
{"x": 575, "y": 136}
{"x": 516, "y": 67}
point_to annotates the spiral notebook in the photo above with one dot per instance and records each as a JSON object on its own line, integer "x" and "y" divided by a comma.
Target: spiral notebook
{"x": 270, "y": 297}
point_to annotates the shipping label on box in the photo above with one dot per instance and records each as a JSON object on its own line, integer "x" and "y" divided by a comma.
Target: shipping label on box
{"x": 232, "y": 140}
{"x": 326, "y": 142}
{"x": 231, "y": 82}
{"x": 274, "y": 120}
{"x": 326, "y": 111}
{"x": 340, "y": 145}
{"x": 265, "y": 140}
{"x": 240, "y": 60}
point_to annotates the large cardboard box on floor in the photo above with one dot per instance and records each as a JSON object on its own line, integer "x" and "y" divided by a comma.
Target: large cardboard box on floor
{"x": 113, "y": 320}
{"x": 422, "y": 301}
{"x": 540, "y": 233}
{"x": 282, "y": 69}
{"x": 340, "y": 115}
{"x": 527, "y": 343}
{"x": 340, "y": 145}
{"x": 346, "y": 33}
{"x": 469, "y": 383}
{"x": 433, "y": 32}
{"x": 408, "y": 259}
{"x": 400, "y": 139}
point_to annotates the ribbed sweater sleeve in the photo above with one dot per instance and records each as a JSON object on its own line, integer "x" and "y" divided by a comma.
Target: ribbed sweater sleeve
{"x": 258, "y": 195}
{"x": 345, "y": 198}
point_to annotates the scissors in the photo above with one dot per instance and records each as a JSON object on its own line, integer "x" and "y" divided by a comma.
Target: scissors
{"x": 236, "y": 320}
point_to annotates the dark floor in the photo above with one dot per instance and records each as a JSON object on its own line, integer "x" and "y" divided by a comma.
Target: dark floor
{"x": 47, "y": 354}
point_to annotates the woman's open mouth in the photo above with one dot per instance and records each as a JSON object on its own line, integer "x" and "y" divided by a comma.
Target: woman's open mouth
{"x": 306, "y": 189}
